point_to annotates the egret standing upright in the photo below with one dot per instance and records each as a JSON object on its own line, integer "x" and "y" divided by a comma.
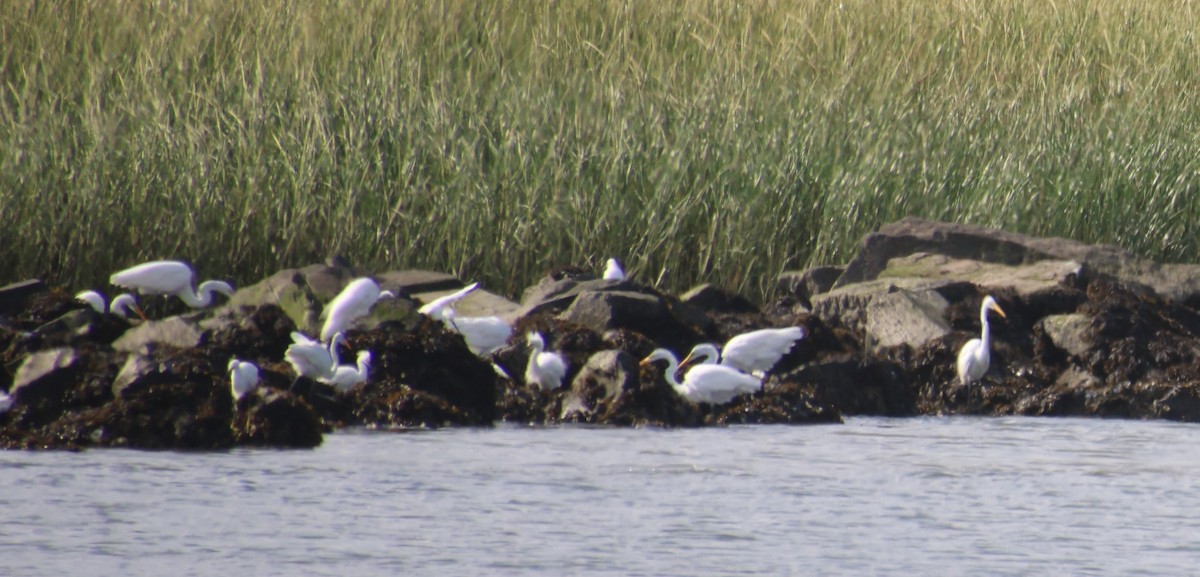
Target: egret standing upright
{"x": 975, "y": 356}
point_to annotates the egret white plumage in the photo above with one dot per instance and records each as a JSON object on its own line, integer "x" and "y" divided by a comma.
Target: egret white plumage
{"x": 705, "y": 383}
{"x": 436, "y": 308}
{"x": 170, "y": 277}
{"x": 613, "y": 271}
{"x": 312, "y": 359}
{"x": 975, "y": 356}
{"x": 353, "y": 302}
{"x": 754, "y": 352}
{"x": 243, "y": 377}
{"x": 545, "y": 369}
{"x": 120, "y": 306}
{"x": 484, "y": 335}
{"x": 344, "y": 377}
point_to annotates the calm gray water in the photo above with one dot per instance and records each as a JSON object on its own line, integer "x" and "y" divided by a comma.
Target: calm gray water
{"x": 936, "y": 496}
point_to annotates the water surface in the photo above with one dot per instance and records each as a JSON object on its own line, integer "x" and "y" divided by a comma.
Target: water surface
{"x": 928, "y": 496}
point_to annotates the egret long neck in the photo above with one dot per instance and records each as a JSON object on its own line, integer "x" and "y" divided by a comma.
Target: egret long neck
{"x": 205, "y": 296}
{"x": 986, "y": 337}
{"x": 672, "y": 366}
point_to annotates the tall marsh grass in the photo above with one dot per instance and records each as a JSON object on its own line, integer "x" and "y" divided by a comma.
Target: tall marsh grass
{"x": 495, "y": 139}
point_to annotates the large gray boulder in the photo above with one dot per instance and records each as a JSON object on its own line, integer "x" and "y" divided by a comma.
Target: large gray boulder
{"x": 1178, "y": 283}
{"x": 178, "y": 332}
{"x": 45, "y": 374}
{"x": 666, "y": 321}
{"x": 904, "y": 317}
{"x": 810, "y": 282}
{"x": 597, "y": 387}
{"x": 1069, "y": 332}
{"x": 553, "y": 296}
{"x": 969, "y": 242}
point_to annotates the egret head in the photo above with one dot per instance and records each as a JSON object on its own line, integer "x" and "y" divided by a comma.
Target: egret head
{"x": 990, "y": 303}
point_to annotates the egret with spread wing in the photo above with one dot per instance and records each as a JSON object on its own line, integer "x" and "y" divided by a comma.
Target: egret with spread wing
{"x": 755, "y": 352}
{"x": 705, "y": 383}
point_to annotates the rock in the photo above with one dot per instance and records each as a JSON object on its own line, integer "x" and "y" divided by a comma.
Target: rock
{"x": 961, "y": 241}
{"x": 1069, "y": 332}
{"x": 554, "y": 293}
{"x": 429, "y": 360}
{"x": 14, "y": 296}
{"x": 602, "y": 393}
{"x": 1179, "y": 283}
{"x": 289, "y": 289}
{"x": 45, "y": 374}
{"x": 707, "y": 297}
{"x": 68, "y": 323}
{"x": 176, "y": 411}
{"x": 671, "y": 323}
{"x": 856, "y": 387}
{"x": 597, "y": 388}
{"x": 416, "y": 282}
{"x": 847, "y": 306}
{"x": 1024, "y": 280}
{"x": 273, "y": 418}
{"x": 477, "y": 303}
{"x": 139, "y": 370}
{"x": 303, "y": 293}
{"x": 789, "y": 404}
{"x": 176, "y": 332}
{"x": 810, "y": 282}
{"x": 904, "y": 317}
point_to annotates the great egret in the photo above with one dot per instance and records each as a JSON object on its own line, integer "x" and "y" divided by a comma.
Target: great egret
{"x": 705, "y": 383}
{"x": 243, "y": 377}
{"x": 436, "y": 308}
{"x": 613, "y": 271}
{"x": 354, "y": 301}
{"x": 544, "y": 369}
{"x": 312, "y": 359}
{"x": 346, "y": 376}
{"x": 170, "y": 277}
{"x": 975, "y": 356}
{"x": 120, "y": 306}
{"x": 484, "y": 335}
{"x": 754, "y": 352}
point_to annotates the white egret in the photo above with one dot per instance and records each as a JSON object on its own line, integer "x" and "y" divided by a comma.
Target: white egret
{"x": 436, "y": 308}
{"x": 975, "y": 356}
{"x": 353, "y": 302}
{"x": 754, "y": 352}
{"x": 344, "y": 377}
{"x": 544, "y": 369}
{"x": 6, "y": 402}
{"x": 484, "y": 335}
{"x": 312, "y": 359}
{"x": 120, "y": 306}
{"x": 243, "y": 377}
{"x": 170, "y": 277}
{"x": 705, "y": 383}
{"x": 613, "y": 271}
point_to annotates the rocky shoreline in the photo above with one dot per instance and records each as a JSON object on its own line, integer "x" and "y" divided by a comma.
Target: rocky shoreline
{"x": 1090, "y": 331}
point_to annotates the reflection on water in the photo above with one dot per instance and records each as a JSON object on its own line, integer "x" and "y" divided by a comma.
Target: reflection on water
{"x": 932, "y": 496}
